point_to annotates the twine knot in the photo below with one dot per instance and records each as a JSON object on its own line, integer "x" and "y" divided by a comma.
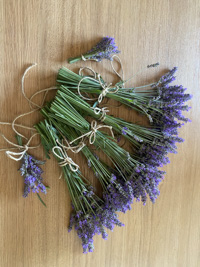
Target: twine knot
{"x": 106, "y": 88}
{"x": 97, "y": 111}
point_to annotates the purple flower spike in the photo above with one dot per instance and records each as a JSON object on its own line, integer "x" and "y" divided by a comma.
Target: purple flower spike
{"x": 124, "y": 129}
{"x": 105, "y": 49}
{"x": 88, "y": 225}
{"x": 32, "y": 175}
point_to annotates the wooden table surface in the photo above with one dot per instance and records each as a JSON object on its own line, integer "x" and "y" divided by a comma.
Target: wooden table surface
{"x": 165, "y": 234}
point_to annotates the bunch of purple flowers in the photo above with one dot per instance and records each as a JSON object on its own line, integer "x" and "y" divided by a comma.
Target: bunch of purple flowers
{"x": 90, "y": 215}
{"x": 102, "y": 50}
{"x": 32, "y": 175}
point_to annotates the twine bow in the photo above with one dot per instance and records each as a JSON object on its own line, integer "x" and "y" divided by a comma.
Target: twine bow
{"x": 66, "y": 160}
{"x": 106, "y": 88}
{"x": 92, "y": 133}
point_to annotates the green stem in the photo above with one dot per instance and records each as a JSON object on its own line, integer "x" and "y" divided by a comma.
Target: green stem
{"x": 73, "y": 59}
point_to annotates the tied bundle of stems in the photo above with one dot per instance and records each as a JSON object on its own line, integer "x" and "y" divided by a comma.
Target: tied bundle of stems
{"x": 159, "y": 101}
{"x": 91, "y": 215}
{"x": 117, "y": 192}
{"x": 136, "y": 134}
{"x": 143, "y": 178}
{"x": 162, "y": 103}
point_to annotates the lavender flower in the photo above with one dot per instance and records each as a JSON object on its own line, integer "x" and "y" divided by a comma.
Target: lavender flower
{"x": 32, "y": 175}
{"x": 104, "y": 49}
{"x": 93, "y": 222}
{"x": 144, "y": 181}
{"x": 89, "y": 163}
{"x": 124, "y": 129}
{"x": 119, "y": 195}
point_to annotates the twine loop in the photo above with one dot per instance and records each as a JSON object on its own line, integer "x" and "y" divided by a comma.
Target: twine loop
{"x": 83, "y": 58}
{"x": 19, "y": 155}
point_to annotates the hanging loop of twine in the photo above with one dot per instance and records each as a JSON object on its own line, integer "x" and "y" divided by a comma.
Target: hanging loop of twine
{"x": 65, "y": 159}
{"x": 87, "y": 68}
{"x": 121, "y": 77}
{"x": 92, "y": 133}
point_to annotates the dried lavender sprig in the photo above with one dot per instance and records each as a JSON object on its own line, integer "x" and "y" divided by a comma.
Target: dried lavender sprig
{"x": 32, "y": 175}
{"x": 102, "y": 50}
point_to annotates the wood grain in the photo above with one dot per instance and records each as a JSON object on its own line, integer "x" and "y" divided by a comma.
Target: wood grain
{"x": 48, "y": 32}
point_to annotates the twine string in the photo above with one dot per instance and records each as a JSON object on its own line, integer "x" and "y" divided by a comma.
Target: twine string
{"x": 85, "y": 59}
{"x": 18, "y": 125}
{"x": 31, "y": 103}
{"x": 87, "y": 68}
{"x": 19, "y": 155}
{"x": 121, "y": 77}
{"x": 107, "y": 88}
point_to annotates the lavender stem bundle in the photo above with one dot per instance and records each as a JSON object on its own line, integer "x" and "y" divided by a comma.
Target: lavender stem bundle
{"x": 143, "y": 177}
{"x": 117, "y": 192}
{"x": 163, "y": 104}
{"x": 90, "y": 215}
{"x": 138, "y": 135}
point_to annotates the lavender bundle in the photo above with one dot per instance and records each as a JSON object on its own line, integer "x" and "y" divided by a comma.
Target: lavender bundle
{"x": 102, "y": 50}
{"x": 117, "y": 192}
{"x": 143, "y": 177}
{"x": 163, "y": 104}
{"x": 91, "y": 215}
{"x": 29, "y": 170}
{"x": 138, "y": 135}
